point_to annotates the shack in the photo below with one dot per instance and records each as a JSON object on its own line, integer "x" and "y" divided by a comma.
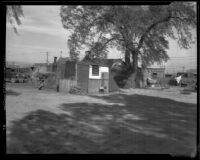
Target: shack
{"x": 90, "y": 76}
{"x": 156, "y": 72}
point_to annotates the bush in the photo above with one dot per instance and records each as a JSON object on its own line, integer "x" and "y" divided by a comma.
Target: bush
{"x": 185, "y": 92}
{"x": 120, "y": 80}
{"x": 172, "y": 82}
{"x": 188, "y": 81}
{"x": 191, "y": 88}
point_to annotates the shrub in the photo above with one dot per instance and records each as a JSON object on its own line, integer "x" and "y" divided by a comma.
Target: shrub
{"x": 191, "y": 88}
{"x": 172, "y": 82}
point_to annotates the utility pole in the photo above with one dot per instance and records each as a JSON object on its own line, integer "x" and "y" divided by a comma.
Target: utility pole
{"x": 183, "y": 68}
{"x": 60, "y": 54}
{"x": 47, "y": 58}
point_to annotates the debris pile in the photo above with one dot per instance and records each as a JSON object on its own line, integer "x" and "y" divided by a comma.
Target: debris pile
{"x": 77, "y": 90}
{"x": 192, "y": 87}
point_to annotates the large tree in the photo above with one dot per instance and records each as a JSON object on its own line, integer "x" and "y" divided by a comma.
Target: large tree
{"x": 73, "y": 52}
{"x": 140, "y": 32}
{"x": 13, "y": 14}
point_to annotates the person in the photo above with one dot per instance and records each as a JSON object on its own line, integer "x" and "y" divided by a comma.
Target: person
{"x": 178, "y": 79}
{"x": 148, "y": 81}
{"x": 41, "y": 85}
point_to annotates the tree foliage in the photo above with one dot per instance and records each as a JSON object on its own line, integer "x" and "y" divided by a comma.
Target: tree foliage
{"x": 95, "y": 52}
{"x": 13, "y": 14}
{"x": 73, "y": 52}
{"x": 137, "y": 31}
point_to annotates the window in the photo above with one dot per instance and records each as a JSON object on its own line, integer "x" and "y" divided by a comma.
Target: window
{"x": 154, "y": 75}
{"x": 95, "y": 70}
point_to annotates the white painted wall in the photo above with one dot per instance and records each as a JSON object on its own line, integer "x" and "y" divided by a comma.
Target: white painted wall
{"x": 101, "y": 69}
{"x": 42, "y": 69}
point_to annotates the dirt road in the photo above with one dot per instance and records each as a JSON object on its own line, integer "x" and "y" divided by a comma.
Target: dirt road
{"x": 31, "y": 99}
{"x": 132, "y": 121}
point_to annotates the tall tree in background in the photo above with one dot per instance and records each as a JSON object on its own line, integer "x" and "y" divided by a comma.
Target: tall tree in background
{"x": 140, "y": 32}
{"x": 95, "y": 52}
{"x": 13, "y": 14}
{"x": 73, "y": 53}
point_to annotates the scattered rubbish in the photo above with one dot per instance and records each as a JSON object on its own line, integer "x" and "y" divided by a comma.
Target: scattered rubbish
{"x": 77, "y": 90}
{"x": 185, "y": 92}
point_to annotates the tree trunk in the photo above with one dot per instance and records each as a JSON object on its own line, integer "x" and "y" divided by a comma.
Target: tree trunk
{"x": 145, "y": 75}
{"x": 132, "y": 78}
{"x": 127, "y": 57}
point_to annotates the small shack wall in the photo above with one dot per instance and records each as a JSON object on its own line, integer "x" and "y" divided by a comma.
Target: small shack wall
{"x": 160, "y": 72}
{"x": 66, "y": 72}
{"x": 95, "y": 84}
{"x": 101, "y": 80}
{"x": 82, "y": 75}
{"x": 60, "y": 70}
{"x": 66, "y": 84}
{"x": 70, "y": 70}
{"x": 51, "y": 82}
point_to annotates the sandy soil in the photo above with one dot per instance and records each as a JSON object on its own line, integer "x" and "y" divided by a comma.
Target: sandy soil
{"x": 111, "y": 115}
{"x": 31, "y": 99}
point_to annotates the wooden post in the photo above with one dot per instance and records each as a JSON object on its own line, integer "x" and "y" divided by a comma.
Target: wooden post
{"x": 76, "y": 67}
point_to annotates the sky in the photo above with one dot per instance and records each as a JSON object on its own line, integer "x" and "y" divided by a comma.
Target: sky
{"x": 42, "y": 31}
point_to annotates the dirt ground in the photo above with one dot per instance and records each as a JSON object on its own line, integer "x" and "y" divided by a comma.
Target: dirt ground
{"x": 129, "y": 121}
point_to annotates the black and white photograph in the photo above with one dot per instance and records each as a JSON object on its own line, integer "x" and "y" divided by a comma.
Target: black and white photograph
{"x": 101, "y": 79}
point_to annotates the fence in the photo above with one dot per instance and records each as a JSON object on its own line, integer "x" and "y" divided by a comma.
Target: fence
{"x": 66, "y": 84}
{"x": 51, "y": 81}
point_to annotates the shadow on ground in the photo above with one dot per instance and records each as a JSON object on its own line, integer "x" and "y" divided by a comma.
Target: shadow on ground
{"x": 12, "y": 93}
{"x": 144, "y": 125}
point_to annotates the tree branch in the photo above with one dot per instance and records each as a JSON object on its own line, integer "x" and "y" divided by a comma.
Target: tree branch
{"x": 168, "y": 18}
{"x": 182, "y": 19}
{"x": 108, "y": 41}
{"x": 150, "y": 28}
{"x": 94, "y": 21}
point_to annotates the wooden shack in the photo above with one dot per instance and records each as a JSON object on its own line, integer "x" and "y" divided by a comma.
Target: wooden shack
{"x": 156, "y": 72}
{"x": 89, "y": 76}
